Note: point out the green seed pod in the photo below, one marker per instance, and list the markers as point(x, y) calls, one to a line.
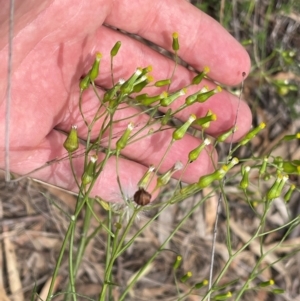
point(84, 83)
point(227, 134)
point(195, 153)
point(165, 102)
point(252, 133)
point(224, 296)
point(245, 179)
point(166, 118)
point(199, 77)
point(95, 68)
point(291, 137)
point(272, 193)
point(177, 262)
point(114, 51)
point(201, 284)
point(267, 283)
point(289, 193)
point(180, 132)
point(206, 180)
point(204, 122)
point(164, 179)
point(163, 82)
point(191, 99)
point(111, 93)
point(144, 181)
point(185, 277)
point(121, 143)
point(72, 143)
point(88, 175)
point(263, 167)
point(203, 97)
point(175, 42)
point(291, 167)
point(127, 87)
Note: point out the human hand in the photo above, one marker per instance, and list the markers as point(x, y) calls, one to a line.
point(54, 46)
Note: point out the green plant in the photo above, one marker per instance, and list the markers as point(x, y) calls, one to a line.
point(249, 174)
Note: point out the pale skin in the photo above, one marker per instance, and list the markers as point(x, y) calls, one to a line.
point(54, 46)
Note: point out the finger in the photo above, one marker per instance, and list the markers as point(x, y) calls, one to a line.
point(203, 41)
point(60, 174)
point(148, 149)
point(133, 54)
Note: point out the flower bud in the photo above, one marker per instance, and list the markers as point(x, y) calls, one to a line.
point(204, 122)
point(195, 153)
point(245, 179)
point(114, 51)
point(95, 68)
point(121, 143)
point(161, 83)
point(201, 284)
point(267, 283)
point(144, 181)
point(72, 143)
point(291, 167)
point(164, 179)
point(111, 93)
point(198, 78)
point(291, 137)
point(202, 97)
point(263, 167)
point(180, 132)
point(177, 262)
point(166, 118)
point(252, 133)
point(84, 83)
point(146, 100)
point(185, 277)
point(168, 100)
point(224, 296)
point(289, 193)
point(88, 175)
point(273, 192)
point(175, 42)
point(227, 134)
point(127, 86)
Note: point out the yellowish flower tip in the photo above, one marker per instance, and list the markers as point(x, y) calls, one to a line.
point(98, 56)
point(150, 78)
point(213, 117)
point(262, 125)
point(224, 168)
point(149, 68)
point(205, 282)
point(206, 69)
point(218, 89)
point(175, 35)
point(298, 135)
point(164, 94)
point(267, 283)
